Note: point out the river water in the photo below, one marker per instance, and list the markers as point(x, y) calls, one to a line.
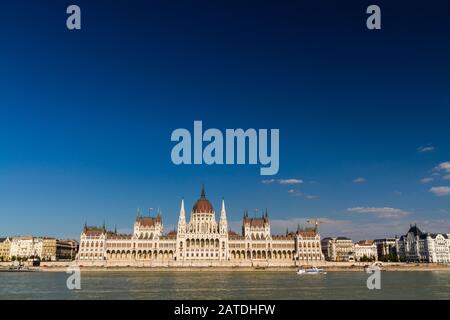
point(225, 285)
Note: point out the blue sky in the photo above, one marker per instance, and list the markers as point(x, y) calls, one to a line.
point(86, 116)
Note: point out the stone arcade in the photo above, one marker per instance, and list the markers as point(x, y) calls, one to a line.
point(200, 242)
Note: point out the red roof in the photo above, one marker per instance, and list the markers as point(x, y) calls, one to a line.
point(171, 235)
point(203, 205)
point(280, 237)
point(365, 243)
point(148, 221)
point(234, 236)
point(256, 222)
point(93, 231)
point(307, 234)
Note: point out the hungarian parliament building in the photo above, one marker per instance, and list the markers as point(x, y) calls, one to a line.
point(200, 242)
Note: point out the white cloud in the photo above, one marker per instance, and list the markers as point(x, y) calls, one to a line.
point(283, 181)
point(289, 181)
point(358, 230)
point(295, 192)
point(422, 149)
point(359, 180)
point(280, 225)
point(384, 212)
point(355, 230)
point(298, 193)
point(446, 177)
point(426, 180)
point(444, 166)
point(440, 191)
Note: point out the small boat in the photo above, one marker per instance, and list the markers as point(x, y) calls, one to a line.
point(312, 270)
point(17, 269)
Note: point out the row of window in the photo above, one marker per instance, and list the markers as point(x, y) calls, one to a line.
point(91, 244)
point(201, 255)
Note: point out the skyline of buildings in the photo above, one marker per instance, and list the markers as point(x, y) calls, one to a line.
point(203, 238)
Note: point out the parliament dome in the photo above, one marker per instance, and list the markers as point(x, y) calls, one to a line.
point(203, 205)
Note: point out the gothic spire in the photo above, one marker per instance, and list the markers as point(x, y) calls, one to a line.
point(138, 213)
point(203, 195)
point(182, 212)
point(223, 213)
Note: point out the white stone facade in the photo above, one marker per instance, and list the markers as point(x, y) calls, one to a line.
point(201, 241)
point(424, 247)
point(340, 249)
point(26, 247)
point(365, 249)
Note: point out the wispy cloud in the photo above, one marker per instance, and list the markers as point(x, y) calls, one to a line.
point(426, 180)
point(298, 193)
point(446, 177)
point(444, 166)
point(294, 192)
point(280, 225)
point(423, 149)
point(440, 191)
point(359, 180)
point(283, 181)
point(356, 230)
point(383, 212)
point(290, 181)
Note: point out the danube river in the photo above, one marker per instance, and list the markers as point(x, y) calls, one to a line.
point(224, 285)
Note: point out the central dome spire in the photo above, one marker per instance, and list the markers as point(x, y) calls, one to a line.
point(202, 195)
point(203, 205)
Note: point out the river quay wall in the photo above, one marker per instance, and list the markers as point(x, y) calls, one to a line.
point(61, 266)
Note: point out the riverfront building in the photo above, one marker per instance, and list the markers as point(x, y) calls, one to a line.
point(365, 249)
point(338, 249)
point(199, 241)
point(5, 249)
point(418, 246)
point(46, 249)
point(386, 249)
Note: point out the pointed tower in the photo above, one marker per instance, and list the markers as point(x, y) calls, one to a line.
point(203, 195)
point(182, 218)
point(223, 224)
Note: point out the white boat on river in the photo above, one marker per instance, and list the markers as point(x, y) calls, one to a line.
point(312, 270)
